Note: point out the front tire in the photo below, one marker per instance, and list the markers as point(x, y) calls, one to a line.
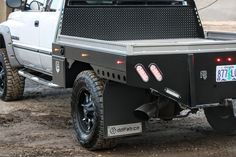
point(221, 119)
point(11, 83)
point(87, 111)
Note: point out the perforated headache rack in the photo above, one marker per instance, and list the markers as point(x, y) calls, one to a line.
point(131, 19)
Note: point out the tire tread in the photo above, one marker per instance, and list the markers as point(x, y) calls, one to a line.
point(98, 142)
point(14, 85)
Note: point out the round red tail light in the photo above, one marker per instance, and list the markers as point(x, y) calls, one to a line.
point(229, 59)
point(218, 60)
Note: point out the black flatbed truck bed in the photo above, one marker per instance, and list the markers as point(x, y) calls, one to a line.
point(148, 61)
point(168, 53)
point(128, 61)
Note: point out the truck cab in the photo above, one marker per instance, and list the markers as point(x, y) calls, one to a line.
point(33, 29)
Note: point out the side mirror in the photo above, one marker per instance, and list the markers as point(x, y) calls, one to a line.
point(34, 5)
point(14, 3)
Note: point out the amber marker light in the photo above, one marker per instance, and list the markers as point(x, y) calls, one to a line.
point(84, 55)
point(56, 50)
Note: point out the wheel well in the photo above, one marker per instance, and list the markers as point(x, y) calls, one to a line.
point(2, 41)
point(76, 68)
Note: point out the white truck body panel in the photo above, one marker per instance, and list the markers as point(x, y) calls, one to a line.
point(33, 44)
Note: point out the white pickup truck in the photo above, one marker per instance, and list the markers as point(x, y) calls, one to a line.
point(128, 61)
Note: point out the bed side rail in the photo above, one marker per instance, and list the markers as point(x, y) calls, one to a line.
point(221, 35)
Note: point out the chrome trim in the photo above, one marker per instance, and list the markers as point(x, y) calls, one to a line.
point(31, 49)
point(37, 79)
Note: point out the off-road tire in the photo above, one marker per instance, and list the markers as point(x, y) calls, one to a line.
point(14, 83)
point(94, 140)
point(221, 119)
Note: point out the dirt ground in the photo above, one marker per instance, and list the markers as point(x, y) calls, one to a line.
point(40, 125)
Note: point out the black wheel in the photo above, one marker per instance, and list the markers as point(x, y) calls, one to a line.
point(87, 111)
point(11, 83)
point(221, 119)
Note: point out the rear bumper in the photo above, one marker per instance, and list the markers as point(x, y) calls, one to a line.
point(192, 76)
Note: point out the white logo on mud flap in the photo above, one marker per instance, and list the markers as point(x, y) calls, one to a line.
point(57, 66)
point(126, 129)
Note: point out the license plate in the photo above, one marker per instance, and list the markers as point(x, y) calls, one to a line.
point(225, 73)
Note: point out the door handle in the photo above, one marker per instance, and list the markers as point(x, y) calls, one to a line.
point(36, 23)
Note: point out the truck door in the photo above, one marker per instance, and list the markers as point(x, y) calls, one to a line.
point(48, 30)
point(25, 33)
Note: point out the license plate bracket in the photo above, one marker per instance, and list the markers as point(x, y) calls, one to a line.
point(225, 73)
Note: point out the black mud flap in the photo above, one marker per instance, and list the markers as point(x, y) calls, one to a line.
point(120, 101)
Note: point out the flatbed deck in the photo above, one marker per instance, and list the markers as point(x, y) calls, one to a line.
point(214, 42)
